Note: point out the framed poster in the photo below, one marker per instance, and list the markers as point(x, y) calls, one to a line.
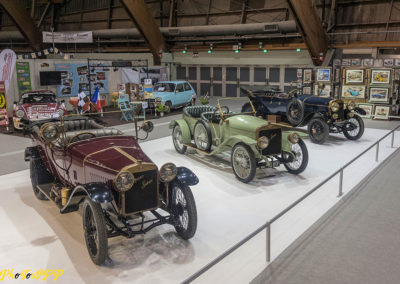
point(307, 75)
point(337, 62)
point(368, 62)
point(324, 75)
point(368, 109)
point(316, 90)
point(356, 62)
point(354, 92)
point(307, 90)
point(346, 62)
point(378, 62)
point(380, 77)
point(381, 112)
point(325, 91)
point(354, 76)
point(388, 62)
point(397, 62)
point(377, 94)
point(23, 77)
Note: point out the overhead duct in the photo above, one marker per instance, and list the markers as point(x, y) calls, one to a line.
point(189, 31)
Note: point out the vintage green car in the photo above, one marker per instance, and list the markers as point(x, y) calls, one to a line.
point(252, 141)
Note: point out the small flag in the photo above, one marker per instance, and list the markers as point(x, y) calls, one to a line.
point(51, 50)
point(96, 99)
point(46, 52)
point(66, 57)
point(39, 53)
point(55, 50)
point(33, 55)
point(20, 57)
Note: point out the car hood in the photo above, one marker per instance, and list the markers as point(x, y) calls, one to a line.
point(40, 111)
point(111, 154)
point(246, 122)
point(308, 99)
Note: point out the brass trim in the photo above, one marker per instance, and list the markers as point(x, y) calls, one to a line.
point(101, 166)
point(125, 153)
point(42, 128)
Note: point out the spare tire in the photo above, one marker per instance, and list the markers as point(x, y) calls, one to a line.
point(295, 112)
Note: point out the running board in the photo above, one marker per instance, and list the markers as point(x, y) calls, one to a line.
point(191, 145)
point(46, 189)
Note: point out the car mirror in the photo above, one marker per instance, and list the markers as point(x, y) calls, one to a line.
point(49, 132)
point(147, 126)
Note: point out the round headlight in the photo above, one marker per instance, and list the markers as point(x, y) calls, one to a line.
point(20, 113)
point(293, 138)
point(335, 116)
point(124, 181)
point(351, 106)
point(49, 132)
point(335, 107)
point(263, 142)
point(168, 172)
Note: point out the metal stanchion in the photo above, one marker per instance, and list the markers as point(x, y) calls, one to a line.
point(340, 182)
point(268, 242)
point(377, 152)
point(392, 139)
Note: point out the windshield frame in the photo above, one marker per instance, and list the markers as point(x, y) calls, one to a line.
point(160, 84)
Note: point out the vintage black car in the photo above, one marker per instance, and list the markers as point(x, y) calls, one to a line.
point(322, 115)
point(76, 160)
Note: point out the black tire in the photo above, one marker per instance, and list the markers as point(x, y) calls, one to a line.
point(39, 175)
point(348, 133)
point(95, 231)
point(293, 167)
point(318, 130)
point(183, 208)
point(295, 112)
point(169, 105)
point(251, 162)
point(175, 135)
point(202, 127)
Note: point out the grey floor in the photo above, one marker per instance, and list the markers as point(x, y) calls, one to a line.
point(357, 241)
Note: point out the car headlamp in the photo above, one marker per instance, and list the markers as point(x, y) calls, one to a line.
point(293, 138)
point(20, 113)
point(335, 107)
point(168, 172)
point(124, 181)
point(263, 142)
point(49, 132)
point(351, 106)
point(335, 116)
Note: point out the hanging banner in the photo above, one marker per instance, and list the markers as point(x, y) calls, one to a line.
point(7, 63)
point(23, 77)
point(67, 37)
point(3, 105)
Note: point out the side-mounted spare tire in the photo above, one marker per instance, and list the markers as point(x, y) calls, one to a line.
point(295, 112)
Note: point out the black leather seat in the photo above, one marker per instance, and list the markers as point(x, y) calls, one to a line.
point(81, 124)
point(196, 111)
point(211, 116)
point(96, 132)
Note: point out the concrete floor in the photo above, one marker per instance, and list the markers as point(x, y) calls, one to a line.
point(357, 241)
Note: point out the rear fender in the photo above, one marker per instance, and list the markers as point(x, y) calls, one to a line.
point(186, 136)
point(97, 191)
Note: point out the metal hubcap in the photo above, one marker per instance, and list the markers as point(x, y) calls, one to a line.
point(178, 138)
point(353, 127)
point(181, 206)
point(298, 160)
point(241, 162)
point(201, 137)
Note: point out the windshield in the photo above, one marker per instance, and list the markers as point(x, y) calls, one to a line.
point(38, 98)
point(164, 87)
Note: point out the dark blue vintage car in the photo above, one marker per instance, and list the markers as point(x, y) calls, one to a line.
point(322, 115)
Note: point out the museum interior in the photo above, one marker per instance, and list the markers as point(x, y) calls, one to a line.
point(204, 141)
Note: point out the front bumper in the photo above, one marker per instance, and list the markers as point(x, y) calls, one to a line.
point(17, 123)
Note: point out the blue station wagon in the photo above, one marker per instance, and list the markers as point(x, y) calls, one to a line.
point(175, 94)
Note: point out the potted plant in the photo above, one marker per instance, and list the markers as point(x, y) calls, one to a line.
point(204, 99)
point(162, 108)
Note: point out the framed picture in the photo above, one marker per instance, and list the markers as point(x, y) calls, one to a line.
point(368, 109)
point(380, 77)
point(397, 74)
point(307, 90)
point(356, 62)
point(324, 75)
point(377, 94)
point(397, 62)
point(378, 63)
point(299, 72)
point(388, 62)
point(354, 92)
point(307, 75)
point(316, 90)
point(346, 62)
point(325, 91)
point(368, 62)
point(354, 76)
point(381, 112)
point(337, 62)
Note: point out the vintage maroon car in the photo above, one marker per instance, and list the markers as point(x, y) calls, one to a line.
point(37, 105)
point(75, 160)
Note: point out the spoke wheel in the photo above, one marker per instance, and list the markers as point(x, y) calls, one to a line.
point(300, 161)
point(94, 226)
point(295, 112)
point(177, 139)
point(318, 130)
point(202, 136)
point(183, 210)
point(353, 129)
point(243, 162)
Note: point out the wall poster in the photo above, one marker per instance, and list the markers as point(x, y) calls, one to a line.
point(23, 77)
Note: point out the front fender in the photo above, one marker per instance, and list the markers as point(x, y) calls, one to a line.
point(286, 144)
point(186, 136)
point(360, 111)
point(186, 176)
point(97, 191)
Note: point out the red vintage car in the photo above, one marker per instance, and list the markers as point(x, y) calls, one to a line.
point(37, 105)
point(75, 160)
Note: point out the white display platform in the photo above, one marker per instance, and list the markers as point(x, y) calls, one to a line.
point(35, 236)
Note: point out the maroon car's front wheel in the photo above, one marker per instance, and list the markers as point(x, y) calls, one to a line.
point(94, 226)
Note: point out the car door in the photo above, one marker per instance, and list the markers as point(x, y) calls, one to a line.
point(189, 92)
point(179, 95)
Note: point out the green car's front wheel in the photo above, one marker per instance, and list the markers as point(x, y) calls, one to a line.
point(177, 139)
point(299, 163)
point(243, 162)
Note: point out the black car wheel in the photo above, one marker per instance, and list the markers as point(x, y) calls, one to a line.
point(94, 226)
point(39, 175)
point(243, 162)
point(177, 139)
point(184, 210)
point(318, 130)
point(353, 129)
point(300, 162)
point(295, 112)
point(202, 135)
point(169, 105)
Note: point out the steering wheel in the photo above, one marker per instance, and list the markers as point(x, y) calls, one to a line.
point(76, 136)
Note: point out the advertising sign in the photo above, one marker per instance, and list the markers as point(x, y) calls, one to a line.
point(23, 77)
point(67, 37)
